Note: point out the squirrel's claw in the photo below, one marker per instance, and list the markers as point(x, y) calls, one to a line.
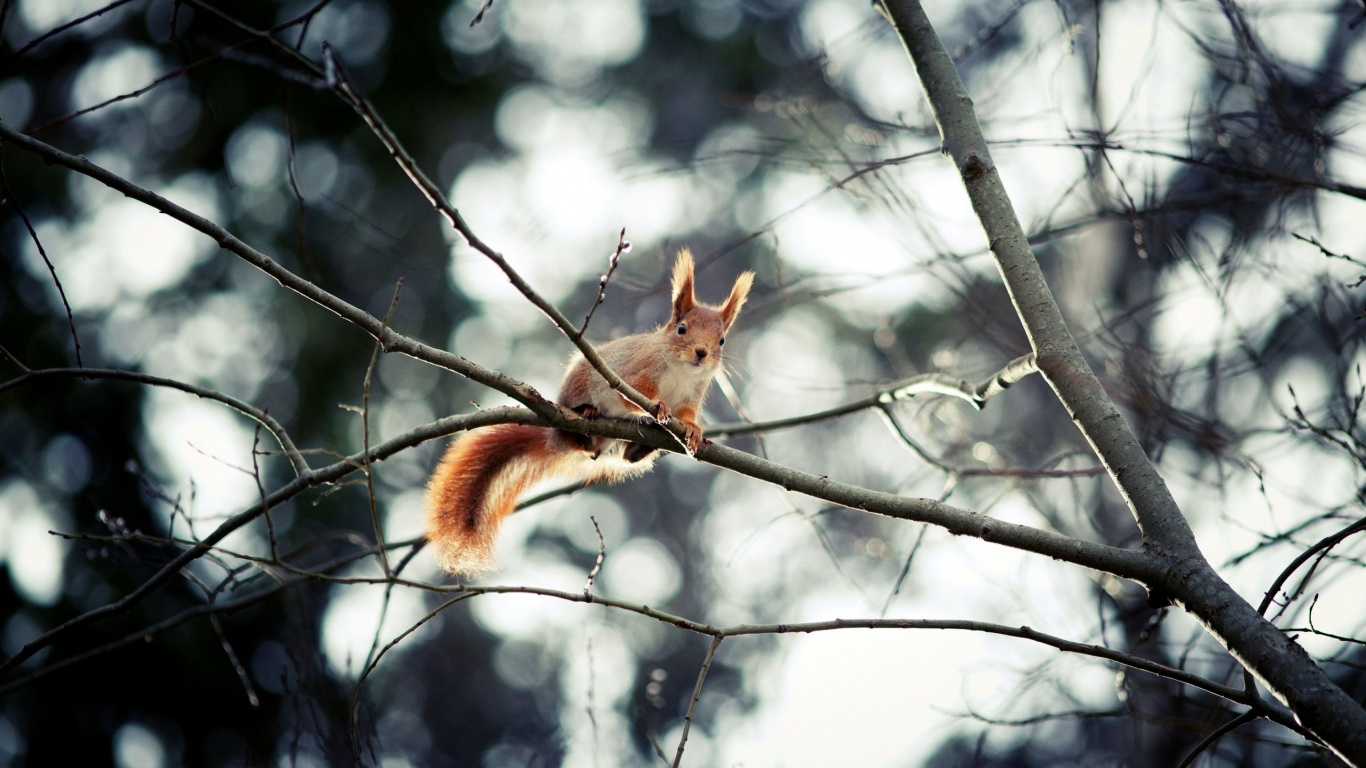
point(693, 435)
point(663, 415)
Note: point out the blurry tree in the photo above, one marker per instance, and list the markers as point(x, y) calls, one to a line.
point(232, 466)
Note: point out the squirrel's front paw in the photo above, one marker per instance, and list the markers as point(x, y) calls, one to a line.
point(693, 434)
point(663, 415)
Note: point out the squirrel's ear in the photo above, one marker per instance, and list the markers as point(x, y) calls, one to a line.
point(682, 285)
point(737, 297)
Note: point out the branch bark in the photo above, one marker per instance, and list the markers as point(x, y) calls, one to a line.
point(296, 459)
point(1184, 574)
point(288, 491)
point(1127, 564)
point(392, 340)
point(1138, 566)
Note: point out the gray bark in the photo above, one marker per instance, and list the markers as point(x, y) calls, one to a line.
point(1182, 572)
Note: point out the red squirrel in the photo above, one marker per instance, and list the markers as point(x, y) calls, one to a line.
point(479, 479)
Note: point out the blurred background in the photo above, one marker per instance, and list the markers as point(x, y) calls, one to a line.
point(1192, 176)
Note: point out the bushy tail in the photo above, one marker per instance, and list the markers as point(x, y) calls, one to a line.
point(477, 484)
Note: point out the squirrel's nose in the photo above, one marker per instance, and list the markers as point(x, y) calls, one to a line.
point(701, 353)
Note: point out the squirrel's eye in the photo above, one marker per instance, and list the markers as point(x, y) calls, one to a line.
point(723, 341)
point(682, 328)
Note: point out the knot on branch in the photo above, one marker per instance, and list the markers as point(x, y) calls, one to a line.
point(974, 166)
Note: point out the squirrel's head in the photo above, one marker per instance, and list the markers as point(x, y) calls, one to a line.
point(696, 332)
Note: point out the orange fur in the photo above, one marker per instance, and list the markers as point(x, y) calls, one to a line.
point(478, 481)
point(477, 484)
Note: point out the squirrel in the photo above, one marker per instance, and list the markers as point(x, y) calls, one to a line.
point(484, 471)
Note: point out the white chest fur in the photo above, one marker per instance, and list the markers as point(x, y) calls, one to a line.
point(680, 385)
point(683, 384)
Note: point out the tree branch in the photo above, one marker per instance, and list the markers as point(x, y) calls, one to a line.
point(696, 694)
point(246, 409)
point(392, 340)
point(336, 75)
point(33, 235)
point(1215, 735)
point(1120, 562)
point(307, 480)
point(1282, 665)
point(1236, 695)
point(928, 383)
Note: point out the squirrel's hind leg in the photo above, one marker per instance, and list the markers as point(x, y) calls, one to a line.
point(637, 452)
point(587, 443)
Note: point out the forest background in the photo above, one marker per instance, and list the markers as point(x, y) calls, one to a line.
point(1191, 177)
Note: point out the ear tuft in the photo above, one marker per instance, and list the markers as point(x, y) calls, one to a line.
point(683, 299)
point(737, 297)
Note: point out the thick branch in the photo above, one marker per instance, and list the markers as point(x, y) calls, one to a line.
point(1056, 352)
point(1120, 562)
point(1281, 664)
point(1126, 563)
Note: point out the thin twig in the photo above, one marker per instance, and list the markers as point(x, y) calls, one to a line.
point(553, 493)
point(1315, 630)
point(905, 569)
point(365, 421)
point(1324, 545)
point(1262, 707)
point(612, 261)
point(293, 175)
point(39, 40)
point(1047, 717)
point(659, 751)
point(30, 376)
point(478, 17)
point(929, 383)
point(261, 490)
point(379, 624)
point(1314, 241)
point(237, 666)
point(592, 694)
point(24, 369)
point(133, 94)
point(597, 565)
point(696, 694)
point(355, 691)
point(33, 234)
point(336, 76)
point(1214, 736)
